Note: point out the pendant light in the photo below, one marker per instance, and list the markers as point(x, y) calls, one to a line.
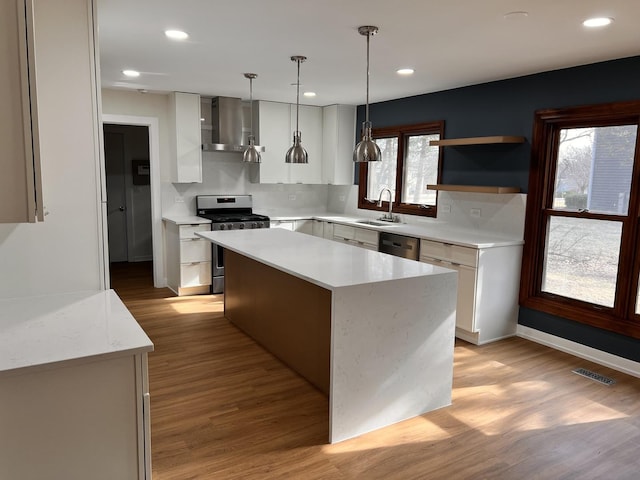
point(367, 150)
point(297, 153)
point(251, 154)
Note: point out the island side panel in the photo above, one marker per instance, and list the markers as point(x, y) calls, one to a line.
point(392, 352)
point(288, 316)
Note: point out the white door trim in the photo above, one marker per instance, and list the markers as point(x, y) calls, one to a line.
point(156, 203)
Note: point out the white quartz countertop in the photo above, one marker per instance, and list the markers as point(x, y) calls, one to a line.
point(185, 220)
point(428, 230)
point(323, 262)
point(39, 332)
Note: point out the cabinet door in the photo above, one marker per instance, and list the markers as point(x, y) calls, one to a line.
point(304, 226)
point(311, 130)
point(338, 142)
point(274, 134)
point(327, 230)
point(20, 184)
point(186, 139)
point(466, 298)
point(318, 228)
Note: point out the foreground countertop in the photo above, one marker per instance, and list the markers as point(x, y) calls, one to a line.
point(322, 262)
point(39, 332)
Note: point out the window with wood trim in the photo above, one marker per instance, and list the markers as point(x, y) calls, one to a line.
point(581, 256)
point(408, 164)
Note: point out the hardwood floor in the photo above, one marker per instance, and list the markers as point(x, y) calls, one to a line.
point(223, 408)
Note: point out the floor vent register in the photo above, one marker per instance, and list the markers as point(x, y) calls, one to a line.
point(594, 376)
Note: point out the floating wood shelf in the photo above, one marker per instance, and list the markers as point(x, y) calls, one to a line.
point(473, 188)
point(452, 142)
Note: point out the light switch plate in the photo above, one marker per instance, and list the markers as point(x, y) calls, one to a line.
point(445, 208)
point(475, 212)
point(179, 199)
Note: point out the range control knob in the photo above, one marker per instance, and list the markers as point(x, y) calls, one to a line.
point(241, 226)
point(222, 226)
point(254, 225)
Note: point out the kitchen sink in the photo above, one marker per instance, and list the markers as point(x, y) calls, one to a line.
point(377, 223)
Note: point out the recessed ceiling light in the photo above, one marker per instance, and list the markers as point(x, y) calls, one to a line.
point(405, 71)
point(597, 22)
point(131, 73)
point(309, 94)
point(176, 34)
point(516, 15)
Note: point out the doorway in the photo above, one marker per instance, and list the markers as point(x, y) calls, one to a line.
point(128, 182)
point(151, 123)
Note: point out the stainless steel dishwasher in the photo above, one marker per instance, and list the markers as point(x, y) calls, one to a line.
point(399, 245)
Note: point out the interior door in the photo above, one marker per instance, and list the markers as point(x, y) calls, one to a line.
point(116, 195)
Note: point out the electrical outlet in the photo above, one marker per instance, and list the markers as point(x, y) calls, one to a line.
point(292, 196)
point(445, 208)
point(341, 198)
point(179, 200)
point(475, 212)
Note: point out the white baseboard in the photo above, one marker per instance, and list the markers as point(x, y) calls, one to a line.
point(588, 353)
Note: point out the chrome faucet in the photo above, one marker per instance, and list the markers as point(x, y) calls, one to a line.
point(388, 217)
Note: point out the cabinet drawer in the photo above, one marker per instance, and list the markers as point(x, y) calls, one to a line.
point(451, 253)
point(195, 274)
point(366, 236)
point(343, 231)
point(195, 251)
point(189, 231)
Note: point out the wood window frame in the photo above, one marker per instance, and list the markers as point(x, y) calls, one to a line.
point(400, 132)
point(621, 318)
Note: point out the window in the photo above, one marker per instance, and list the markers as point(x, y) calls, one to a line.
point(408, 165)
point(581, 255)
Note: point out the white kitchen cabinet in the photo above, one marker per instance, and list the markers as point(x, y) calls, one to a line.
point(360, 237)
point(317, 228)
point(338, 142)
point(488, 282)
point(304, 226)
point(188, 259)
point(20, 182)
point(74, 386)
point(185, 136)
point(327, 230)
point(285, 224)
point(275, 125)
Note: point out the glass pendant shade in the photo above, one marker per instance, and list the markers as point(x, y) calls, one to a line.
point(367, 150)
point(251, 154)
point(297, 153)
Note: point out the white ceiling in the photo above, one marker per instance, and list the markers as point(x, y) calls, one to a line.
point(449, 43)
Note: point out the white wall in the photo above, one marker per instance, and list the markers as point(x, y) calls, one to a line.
point(62, 254)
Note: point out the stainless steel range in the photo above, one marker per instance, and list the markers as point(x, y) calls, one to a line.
point(227, 212)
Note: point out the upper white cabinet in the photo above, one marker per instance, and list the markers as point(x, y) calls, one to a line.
point(338, 142)
point(330, 129)
point(20, 182)
point(186, 142)
point(311, 139)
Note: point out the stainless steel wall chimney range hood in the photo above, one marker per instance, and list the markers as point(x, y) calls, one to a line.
point(226, 126)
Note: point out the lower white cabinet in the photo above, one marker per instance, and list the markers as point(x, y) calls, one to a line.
point(302, 225)
point(488, 284)
point(360, 237)
point(188, 259)
point(86, 419)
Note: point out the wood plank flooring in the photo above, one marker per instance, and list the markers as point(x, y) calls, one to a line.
point(223, 408)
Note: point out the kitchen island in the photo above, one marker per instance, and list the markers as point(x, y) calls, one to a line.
point(373, 331)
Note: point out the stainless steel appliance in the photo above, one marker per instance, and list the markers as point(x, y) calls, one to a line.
point(227, 212)
point(399, 245)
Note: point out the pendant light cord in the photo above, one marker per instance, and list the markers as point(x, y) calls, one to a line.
point(298, 99)
point(367, 106)
point(251, 104)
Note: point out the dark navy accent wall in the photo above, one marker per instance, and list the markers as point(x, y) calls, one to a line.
point(507, 107)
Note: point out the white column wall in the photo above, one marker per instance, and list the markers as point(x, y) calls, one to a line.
point(62, 254)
